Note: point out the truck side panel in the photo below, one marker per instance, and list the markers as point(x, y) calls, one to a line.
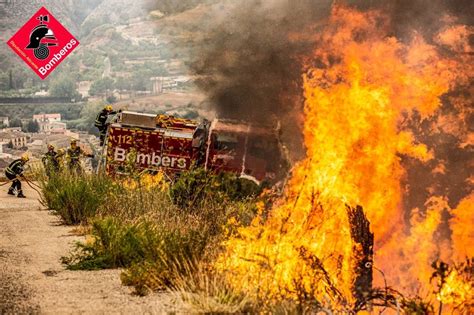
point(146, 149)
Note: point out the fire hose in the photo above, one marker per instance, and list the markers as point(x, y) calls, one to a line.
point(33, 185)
point(7, 182)
point(30, 183)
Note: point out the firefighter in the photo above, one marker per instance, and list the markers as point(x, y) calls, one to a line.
point(74, 154)
point(13, 171)
point(51, 161)
point(101, 122)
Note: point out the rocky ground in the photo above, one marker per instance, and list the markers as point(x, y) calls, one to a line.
point(33, 280)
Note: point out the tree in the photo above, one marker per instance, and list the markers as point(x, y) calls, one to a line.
point(10, 80)
point(63, 86)
point(122, 84)
point(32, 126)
point(101, 86)
point(111, 99)
point(140, 81)
point(4, 81)
point(88, 114)
point(15, 122)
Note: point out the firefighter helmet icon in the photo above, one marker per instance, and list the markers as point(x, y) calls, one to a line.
point(41, 37)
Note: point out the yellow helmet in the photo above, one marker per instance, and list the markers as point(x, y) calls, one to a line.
point(25, 157)
point(50, 147)
point(108, 108)
point(73, 141)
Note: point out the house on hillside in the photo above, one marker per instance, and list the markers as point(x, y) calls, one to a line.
point(50, 123)
point(83, 88)
point(162, 84)
point(36, 147)
point(4, 121)
point(58, 140)
point(47, 117)
point(12, 129)
point(17, 139)
point(53, 127)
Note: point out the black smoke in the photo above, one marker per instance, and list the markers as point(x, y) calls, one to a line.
point(251, 64)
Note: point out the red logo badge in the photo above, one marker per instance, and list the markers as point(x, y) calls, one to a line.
point(43, 43)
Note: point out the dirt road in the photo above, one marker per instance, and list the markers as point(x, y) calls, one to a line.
point(33, 281)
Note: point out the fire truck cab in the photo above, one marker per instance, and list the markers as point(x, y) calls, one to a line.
point(245, 149)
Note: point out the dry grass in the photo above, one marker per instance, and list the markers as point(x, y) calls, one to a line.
point(202, 290)
point(164, 242)
point(149, 230)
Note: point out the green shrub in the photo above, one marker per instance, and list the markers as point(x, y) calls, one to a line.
point(151, 254)
point(171, 260)
point(155, 237)
point(75, 198)
point(129, 205)
point(114, 244)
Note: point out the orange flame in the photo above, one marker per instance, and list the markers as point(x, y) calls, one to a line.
point(361, 85)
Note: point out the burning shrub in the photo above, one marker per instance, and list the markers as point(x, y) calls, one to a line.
point(195, 188)
point(455, 284)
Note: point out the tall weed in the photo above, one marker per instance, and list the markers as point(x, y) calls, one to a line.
point(75, 198)
point(114, 244)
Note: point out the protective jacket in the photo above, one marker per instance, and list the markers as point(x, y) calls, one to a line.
point(101, 119)
point(50, 160)
point(74, 154)
point(15, 168)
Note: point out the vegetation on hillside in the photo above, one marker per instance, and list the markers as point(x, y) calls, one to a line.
point(24, 111)
point(167, 236)
point(144, 225)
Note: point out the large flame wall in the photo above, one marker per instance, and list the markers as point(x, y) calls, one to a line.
point(360, 84)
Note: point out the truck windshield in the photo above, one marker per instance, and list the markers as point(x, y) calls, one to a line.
point(226, 142)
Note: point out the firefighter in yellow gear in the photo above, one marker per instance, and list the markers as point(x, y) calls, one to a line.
point(13, 172)
point(51, 161)
point(74, 153)
point(101, 122)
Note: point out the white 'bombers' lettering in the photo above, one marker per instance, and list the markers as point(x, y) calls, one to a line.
point(120, 155)
point(47, 67)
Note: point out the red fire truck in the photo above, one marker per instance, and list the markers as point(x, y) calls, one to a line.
point(161, 142)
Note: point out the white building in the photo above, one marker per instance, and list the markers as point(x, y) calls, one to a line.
point(53, 127)
point(17, 139)
point(50, 123)
point(12, 129)
point(161, 84)
point(47, 117)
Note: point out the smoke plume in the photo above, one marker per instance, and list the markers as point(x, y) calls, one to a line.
point(252, 63)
